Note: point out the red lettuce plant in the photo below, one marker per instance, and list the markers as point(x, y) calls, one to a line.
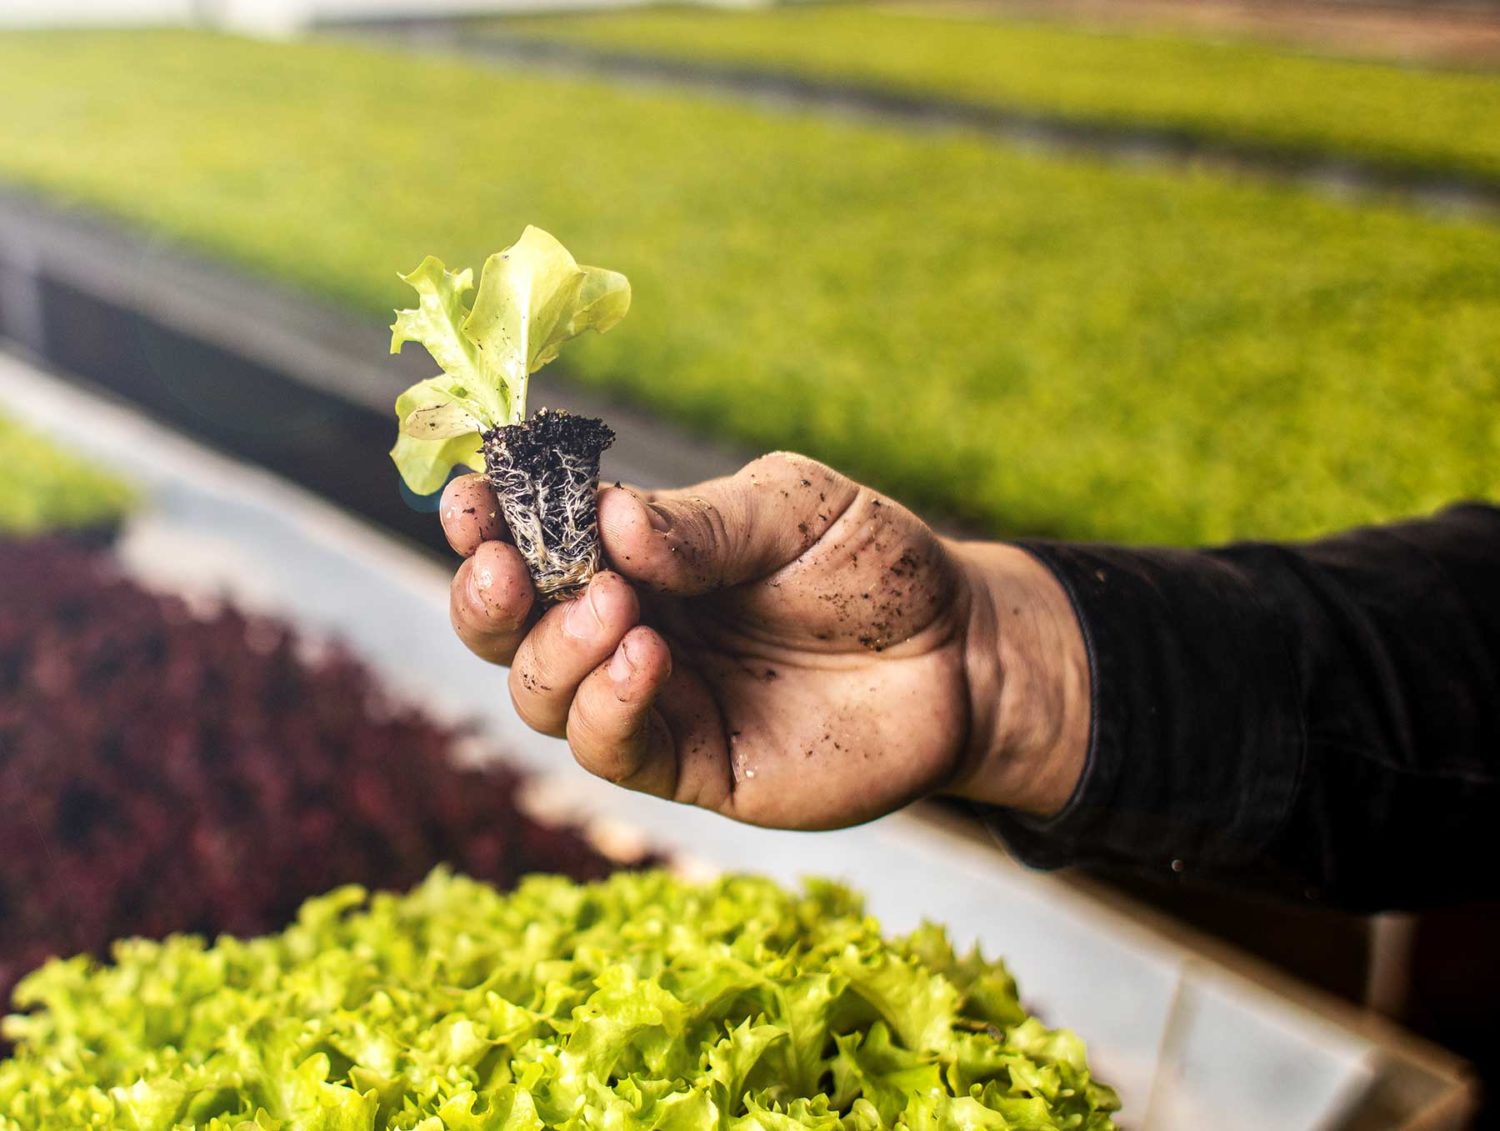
point(164, 770)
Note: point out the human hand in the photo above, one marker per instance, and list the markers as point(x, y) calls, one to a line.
point(787, 648)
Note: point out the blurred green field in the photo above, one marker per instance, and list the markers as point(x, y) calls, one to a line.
point(1222, 90)
point(44, 489)
point(1037, 344)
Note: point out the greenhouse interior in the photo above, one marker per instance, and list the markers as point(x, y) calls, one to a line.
point(988, 617)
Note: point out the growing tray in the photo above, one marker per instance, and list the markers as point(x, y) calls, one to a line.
point(1191, 1034)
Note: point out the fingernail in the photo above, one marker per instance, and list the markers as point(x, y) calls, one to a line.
point(661, 521)
point(621, 667)
point(583, 619)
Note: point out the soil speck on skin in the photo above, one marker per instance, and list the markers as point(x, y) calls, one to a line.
point(803, 529)
point(807, 483)
point(471, 510)
point(906, 565)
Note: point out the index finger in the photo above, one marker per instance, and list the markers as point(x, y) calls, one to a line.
point(470, 514)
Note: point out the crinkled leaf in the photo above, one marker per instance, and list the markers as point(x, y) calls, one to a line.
point(425, 460)
point(919, 1005)
point(533, 297)
point(731, 1061)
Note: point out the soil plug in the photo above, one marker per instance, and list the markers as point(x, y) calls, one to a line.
point(532, 297)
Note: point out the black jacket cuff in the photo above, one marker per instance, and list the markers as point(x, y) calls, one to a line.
point(1196, 740)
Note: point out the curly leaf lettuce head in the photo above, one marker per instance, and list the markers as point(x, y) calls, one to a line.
point(532, 297)
point(642, 1003)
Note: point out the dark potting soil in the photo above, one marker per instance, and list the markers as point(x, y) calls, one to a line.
point(164, 769)
point(545, 472)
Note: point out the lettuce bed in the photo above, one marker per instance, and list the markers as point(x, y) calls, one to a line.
point(165, 768)
point(42, 489)
point(1388, 114)
point(1037, 344)
point(639, 1002)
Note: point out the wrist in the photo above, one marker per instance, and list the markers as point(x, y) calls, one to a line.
point(1029, 684)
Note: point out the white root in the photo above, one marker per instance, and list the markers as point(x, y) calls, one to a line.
point(549, 506)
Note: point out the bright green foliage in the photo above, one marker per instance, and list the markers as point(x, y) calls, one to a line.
point(1389, 114)
point(1039, 344)
point(533, 297)
point(637, 1003)
point(43, 489)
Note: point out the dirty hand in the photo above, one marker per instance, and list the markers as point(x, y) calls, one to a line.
point(787, 648)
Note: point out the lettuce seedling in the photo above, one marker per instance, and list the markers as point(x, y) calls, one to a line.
point(532, 297)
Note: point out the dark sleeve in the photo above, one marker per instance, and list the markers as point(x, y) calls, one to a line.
point(1317, 720)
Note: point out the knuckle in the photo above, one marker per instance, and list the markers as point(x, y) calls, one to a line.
point(784, 465)
point(718, 532)
point(614, 761)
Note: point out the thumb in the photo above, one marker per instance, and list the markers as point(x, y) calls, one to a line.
point(726, 531)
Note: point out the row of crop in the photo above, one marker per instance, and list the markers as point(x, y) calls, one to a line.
point(1236, 93)
point(44, 490)
point(641, 1002)
point(1038, 344)
point(168, 768)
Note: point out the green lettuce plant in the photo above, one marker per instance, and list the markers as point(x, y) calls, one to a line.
point(532, 297)
point(641, 1003)
point(44, 490)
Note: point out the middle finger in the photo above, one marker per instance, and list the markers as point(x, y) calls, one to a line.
point(570, 641)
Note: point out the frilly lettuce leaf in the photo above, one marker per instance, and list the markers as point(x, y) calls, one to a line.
point(642, 1003)
point(532, 297)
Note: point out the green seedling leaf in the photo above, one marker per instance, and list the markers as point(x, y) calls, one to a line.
point(532, 297)
point(425, 458)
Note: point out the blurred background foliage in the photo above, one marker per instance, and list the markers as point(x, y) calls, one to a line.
point(44, 490)
point(1032, 341)
point(1228, 89)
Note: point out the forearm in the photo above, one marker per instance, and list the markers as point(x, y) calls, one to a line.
point(1319, 720)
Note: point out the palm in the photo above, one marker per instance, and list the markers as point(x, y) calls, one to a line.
point(829, 689)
